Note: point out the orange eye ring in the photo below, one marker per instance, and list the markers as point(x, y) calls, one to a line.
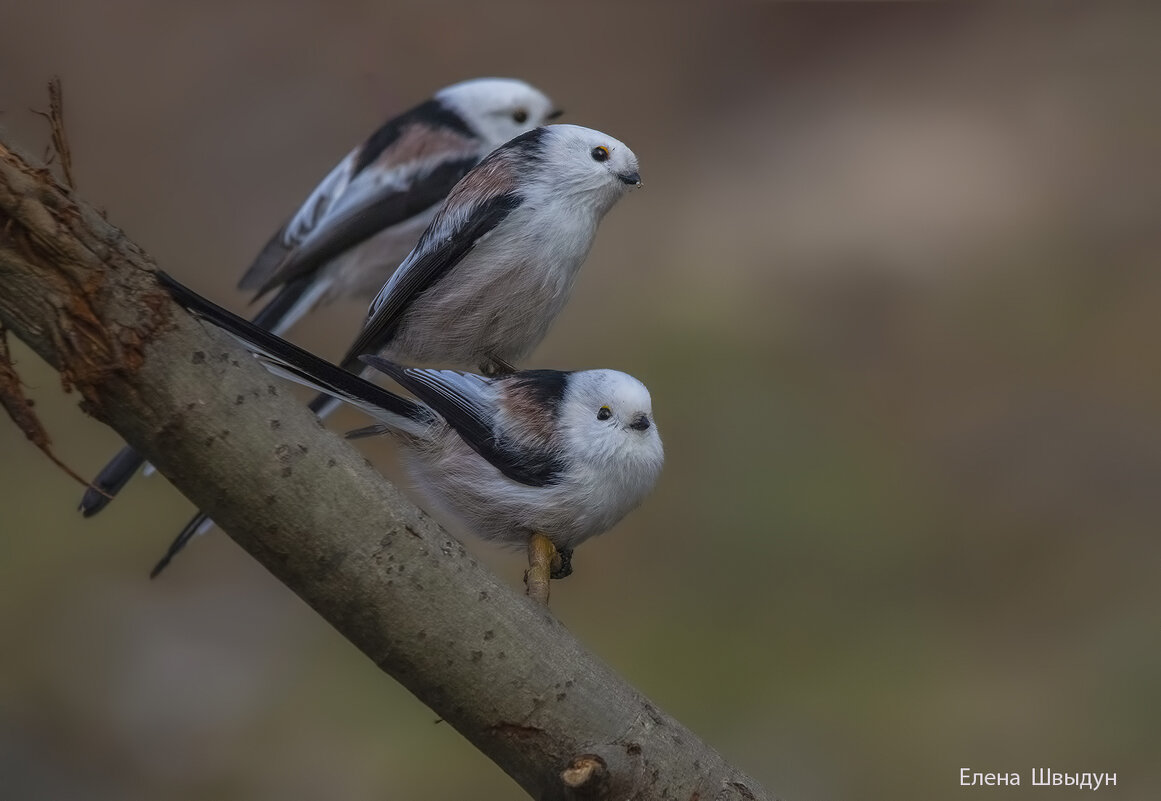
point(600, 153)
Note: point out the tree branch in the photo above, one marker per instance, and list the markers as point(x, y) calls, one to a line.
point(492, 663)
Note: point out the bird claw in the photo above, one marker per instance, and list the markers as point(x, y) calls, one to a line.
point(544, 563)
point(561, 564)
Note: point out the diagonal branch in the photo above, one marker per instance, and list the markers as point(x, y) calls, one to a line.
point(492, 663)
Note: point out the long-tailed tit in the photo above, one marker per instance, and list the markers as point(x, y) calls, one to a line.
point(562, 454)
point(499, 260)
point(368, 213)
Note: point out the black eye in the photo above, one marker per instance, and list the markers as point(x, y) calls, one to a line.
point(600, 153)
point(520, 115)
point(605, 413)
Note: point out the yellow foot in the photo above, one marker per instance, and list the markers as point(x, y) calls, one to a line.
point(543, 563)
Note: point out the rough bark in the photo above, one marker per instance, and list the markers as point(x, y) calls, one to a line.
point(489, 661)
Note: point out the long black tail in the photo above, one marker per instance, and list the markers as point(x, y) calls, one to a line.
point(122, 467)
point(297, 364)
point(324, 403)
point(281, 357)
point(110, 480)
point(282, 305)
point(294, 363)
point(191, 530)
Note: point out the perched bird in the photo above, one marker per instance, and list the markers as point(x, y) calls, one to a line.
point(565, 455)
point(498, 262)
point(367, 214)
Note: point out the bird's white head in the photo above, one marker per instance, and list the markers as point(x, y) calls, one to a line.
point(498, 109)
point(583, 163)
point(606, 418)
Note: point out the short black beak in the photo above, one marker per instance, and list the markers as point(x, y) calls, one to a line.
point(640, 423)
point(552, 115)
point(631, 178)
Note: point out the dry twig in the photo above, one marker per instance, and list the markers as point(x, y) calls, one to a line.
point(19, 408)
point(55, 117)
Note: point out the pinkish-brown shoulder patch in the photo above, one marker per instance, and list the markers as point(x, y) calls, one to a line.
point(520, 403)
point(418, 142)
point(493, 176)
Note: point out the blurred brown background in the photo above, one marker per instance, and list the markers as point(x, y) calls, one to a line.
point(892, 280)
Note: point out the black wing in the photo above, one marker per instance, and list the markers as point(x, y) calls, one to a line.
point(309, 239)
point(438, 251)
point(463, 401)
point(376, 213)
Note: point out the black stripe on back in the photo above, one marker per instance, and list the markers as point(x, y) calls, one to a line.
point(536, 466)
point(529, 145)
point(545, 386)
point(430, 113)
